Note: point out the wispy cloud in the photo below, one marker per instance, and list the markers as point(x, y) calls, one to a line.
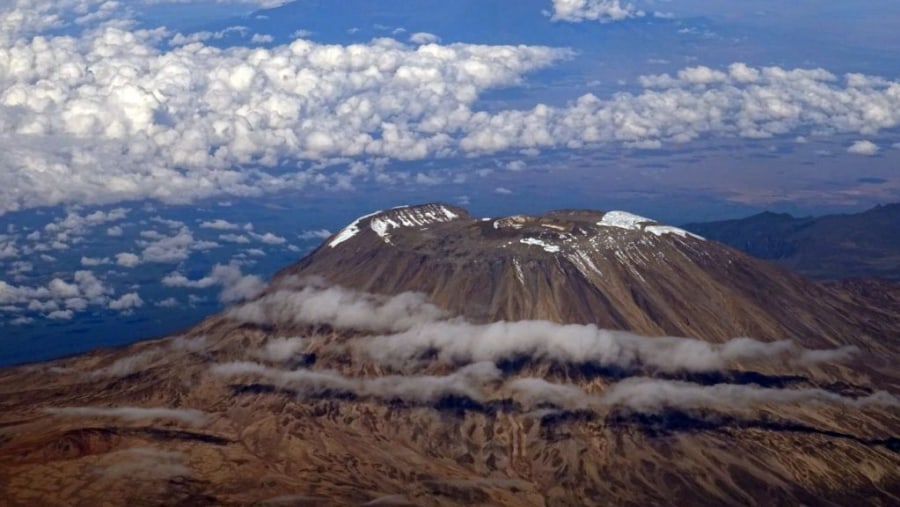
point(184, 415)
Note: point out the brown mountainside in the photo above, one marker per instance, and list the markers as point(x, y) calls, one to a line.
point(578, 358)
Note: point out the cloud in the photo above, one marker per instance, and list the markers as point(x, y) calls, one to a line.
point(183, 415)
point(652, 395)
point(127, 259)
point(338, 307)
point(134, 363)
point(424, 38)
point(604, 11)
point(130, 364)
point(169, 302)
point(76, 295)
point(126, 302)
point(194, 121)
point(175, 128)
point(61, 315)
point(315, 234)
point(144, 463)
point(234, 238)
point(174, 248)
point(648, 395)
point(459, 342)
point(235, 285)
point(466, 382)
point(94, 261)
point(269, 238)
point(219, 224)
point(282, 349)
point(863, 148)
point(698, 101)
point(419, 328)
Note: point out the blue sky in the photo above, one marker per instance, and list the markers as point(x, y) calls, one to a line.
point(145, 142)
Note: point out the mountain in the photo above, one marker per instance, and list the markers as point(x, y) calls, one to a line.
point(421, 356)
point(830, 247)
point(616, 270)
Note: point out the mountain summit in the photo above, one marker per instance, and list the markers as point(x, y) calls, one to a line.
point(421, 356)
point(613, 269)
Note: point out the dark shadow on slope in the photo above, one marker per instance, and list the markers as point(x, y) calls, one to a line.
point(736, 377)
point(449, 403)
point(669, 422)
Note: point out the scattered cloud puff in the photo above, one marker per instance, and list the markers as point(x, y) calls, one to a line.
point(282, 349)
point(315, 234)
point(171, 249)
point(219, 224)
point(867, 148)
point(604, 11)
point(127, 259)
point(126, 302)
point(424, 38)
point(59, 299)
point(235, 285)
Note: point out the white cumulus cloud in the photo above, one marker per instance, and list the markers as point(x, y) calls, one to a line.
point(593, 10)
point(863, 148)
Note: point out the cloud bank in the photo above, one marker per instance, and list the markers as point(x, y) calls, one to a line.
point(339, 307)
point(113, 114)
point(647, 395)
point(467, 382)
point(419, 328)
point(457, 342)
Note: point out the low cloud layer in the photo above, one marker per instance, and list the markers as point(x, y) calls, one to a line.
point(140, 361)
point(647, 395)
point(457, 342)
point(183, 415)
point(466, 382)
point(339, 307)
point(421, 328)
point(144, 464)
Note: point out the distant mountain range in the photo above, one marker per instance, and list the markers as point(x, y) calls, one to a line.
point(830, 247)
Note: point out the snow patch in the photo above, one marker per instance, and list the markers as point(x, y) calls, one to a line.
point(536, 242)
point(583, 262)
point(405, 216)
point(632, 222)
point(623, 220)
point(349, 231)
point(519, 274)
point(659, 230)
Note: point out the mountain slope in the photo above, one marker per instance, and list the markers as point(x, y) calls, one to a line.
point(337, 387)
point(616, 270)
point(828, 247)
